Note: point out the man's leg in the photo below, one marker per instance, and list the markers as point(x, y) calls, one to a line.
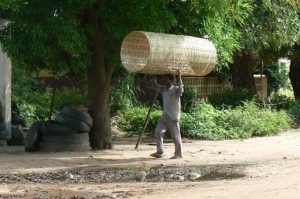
point(174, 129)
point(159, 133)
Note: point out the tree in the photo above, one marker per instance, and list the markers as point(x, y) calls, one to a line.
point(67, 35)
point(272, 25)
point(294, 55)
point(214, 21)
point(294, 73)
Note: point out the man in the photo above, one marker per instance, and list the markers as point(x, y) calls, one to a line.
point(171, 115)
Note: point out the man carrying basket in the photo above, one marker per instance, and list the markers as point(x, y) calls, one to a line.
point(171, 114)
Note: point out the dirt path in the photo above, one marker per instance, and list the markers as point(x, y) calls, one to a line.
point(271, 166)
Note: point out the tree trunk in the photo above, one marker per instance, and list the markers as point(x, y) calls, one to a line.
point(242, 72)
point(99, 75)
point(294, 75)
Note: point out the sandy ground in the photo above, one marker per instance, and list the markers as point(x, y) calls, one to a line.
point(271, 165)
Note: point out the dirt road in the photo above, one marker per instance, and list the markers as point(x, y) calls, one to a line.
point(270, 165)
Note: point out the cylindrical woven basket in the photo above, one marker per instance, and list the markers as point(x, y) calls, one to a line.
point(157, 53)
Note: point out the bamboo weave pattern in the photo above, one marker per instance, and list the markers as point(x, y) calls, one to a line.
point(158, 53)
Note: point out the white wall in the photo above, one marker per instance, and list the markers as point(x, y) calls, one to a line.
point(5, 90)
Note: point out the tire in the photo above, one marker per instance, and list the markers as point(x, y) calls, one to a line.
point(17, 132)
point(18, 119)
point(78, 115)
point(55, 128)
point(16, 142)
point(33, 137)
point(73, 142)
point(72, 123)
point(4, 135)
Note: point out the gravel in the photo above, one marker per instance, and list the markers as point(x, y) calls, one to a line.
point(109, 175)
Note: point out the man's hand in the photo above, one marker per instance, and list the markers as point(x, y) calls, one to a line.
point(154, 80)
point(179, 72)
point(179, 76)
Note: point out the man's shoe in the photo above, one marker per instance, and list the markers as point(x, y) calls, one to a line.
point(156, 155)
point(176, 157)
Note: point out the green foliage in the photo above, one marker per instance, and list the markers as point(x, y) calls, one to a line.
point(231, 98)
point(34, 102)
point(215, 21)
point(277, 77)
point(35, 105)
point(294, 110)
point(62, 35)
point(222, 28)
point(200, 123)
point(250, 120)
point(122, 95)
point(188, 99)
point(272, 24)
point(239, 123)
point(70, 97)
point(133, 119)
point(207, 122)
point(59, 35)
point(278, 102)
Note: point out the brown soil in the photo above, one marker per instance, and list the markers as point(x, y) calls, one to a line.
point(266, 167)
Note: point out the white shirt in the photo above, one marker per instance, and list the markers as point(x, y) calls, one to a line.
point(171, 100)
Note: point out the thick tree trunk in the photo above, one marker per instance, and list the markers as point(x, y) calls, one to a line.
point(294, 75)
point(99, 75)
point(242, 72)
point(98, 95)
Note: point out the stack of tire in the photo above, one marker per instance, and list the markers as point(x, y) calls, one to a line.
point(68, 132)
point(18, 127)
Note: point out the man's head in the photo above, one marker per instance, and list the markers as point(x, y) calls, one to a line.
point(166, 80)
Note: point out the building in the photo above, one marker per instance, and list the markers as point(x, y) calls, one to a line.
point(5, 95)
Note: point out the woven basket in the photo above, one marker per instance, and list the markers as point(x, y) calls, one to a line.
point(157, 53)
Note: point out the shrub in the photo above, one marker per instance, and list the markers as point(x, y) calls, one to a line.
point(200, 123)
point(231, 98)
point(207, 122)
point(278, 102)
point(294, 110)
point(70, 97)
point(122, 95)
point(250, 120)
point(133, 119)
point(277, 77)
point(188, 99)
point(34, 102)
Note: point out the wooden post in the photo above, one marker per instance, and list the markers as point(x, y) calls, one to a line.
point(5, 93)
point(52, 103)
point(146, 121)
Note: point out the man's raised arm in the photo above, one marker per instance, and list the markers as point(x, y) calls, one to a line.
point(179, 91)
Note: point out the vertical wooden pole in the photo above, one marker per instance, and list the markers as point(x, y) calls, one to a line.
point(146, 121)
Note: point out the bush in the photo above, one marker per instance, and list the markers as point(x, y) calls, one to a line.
point(278, 102)
point(35, 105)
point(188, 99)
point(250, 120)
point(70, 97)
point(133, 119)
point(231, 98)
point(122, 95)
point(34, 102)
point(277, 77)
point(294, 110)
point(207, 122)
point(200, 123)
